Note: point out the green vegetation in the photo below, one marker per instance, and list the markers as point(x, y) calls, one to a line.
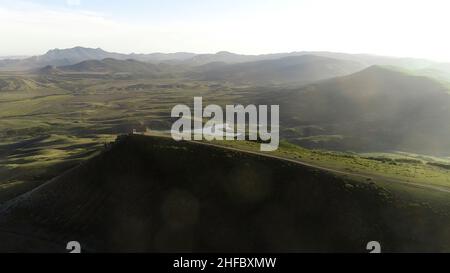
point(29, 163)
point(46, 130)
point(84, 112)
point(381, 168)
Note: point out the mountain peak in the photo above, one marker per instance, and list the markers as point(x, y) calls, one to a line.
point(77, 49)
point(224, 53)
point(383, 71)
point(68, 56)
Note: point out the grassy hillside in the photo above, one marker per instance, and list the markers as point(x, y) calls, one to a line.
point(154, 194)
point(112, 66)
point(390, 168)
point(45, 130)
point(17, 87)
point(30, 162)
point(378, 109)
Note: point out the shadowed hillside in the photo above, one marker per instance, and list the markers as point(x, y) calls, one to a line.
point(154, 194)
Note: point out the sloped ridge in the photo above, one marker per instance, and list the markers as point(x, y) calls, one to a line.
point(154, 194)
point(392, 77)
point(112, 66)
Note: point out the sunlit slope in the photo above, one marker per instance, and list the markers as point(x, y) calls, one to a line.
point(154, 194)
point(373, 110)
point(16, 87)
point(288, 70)
point(111, 66)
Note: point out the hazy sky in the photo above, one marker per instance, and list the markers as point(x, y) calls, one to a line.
point(415, 28)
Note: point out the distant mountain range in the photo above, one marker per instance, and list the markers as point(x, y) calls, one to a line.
point(281, 68)
point(65, 57)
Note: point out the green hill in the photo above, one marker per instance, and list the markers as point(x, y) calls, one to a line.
point(112, 66)
point(17, 84)
point(376, 109)
point(154, 194)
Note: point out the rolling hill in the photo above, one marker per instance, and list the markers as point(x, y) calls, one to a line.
point(111, 66)
point(288, 70)
point(365, 60)
point(154, 194)
point(376, 109)
point(18, 84)
point(440, 71)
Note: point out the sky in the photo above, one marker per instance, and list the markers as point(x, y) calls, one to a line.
point(403, 28)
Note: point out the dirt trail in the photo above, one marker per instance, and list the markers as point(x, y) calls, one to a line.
point(351, 174)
